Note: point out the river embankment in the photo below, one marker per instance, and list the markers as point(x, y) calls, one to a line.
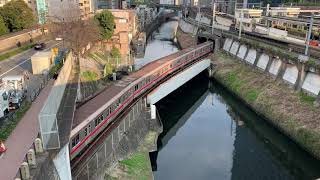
point(291, 112)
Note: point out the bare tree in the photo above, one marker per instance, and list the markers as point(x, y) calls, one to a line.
point(77, 33)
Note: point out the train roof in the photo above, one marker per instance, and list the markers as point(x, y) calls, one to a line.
point(95, 106)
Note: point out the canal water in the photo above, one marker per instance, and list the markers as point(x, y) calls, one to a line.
point(159, 44)
point(210, 134)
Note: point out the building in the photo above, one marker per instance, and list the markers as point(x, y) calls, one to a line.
point(108, 4)
point(126, 27)
point(42, 11)
point(63, 10)
point(85, 8)
point(145, 15)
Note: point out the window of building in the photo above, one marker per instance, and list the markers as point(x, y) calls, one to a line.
point(122, 21)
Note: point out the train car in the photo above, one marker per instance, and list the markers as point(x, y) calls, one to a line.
point(95, 115)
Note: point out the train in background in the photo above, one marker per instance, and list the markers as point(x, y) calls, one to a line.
point(121, 97)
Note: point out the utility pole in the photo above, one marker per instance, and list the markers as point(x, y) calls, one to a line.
point(309, 35)
point(213, 14)
point(199, 12)
point(241, 19)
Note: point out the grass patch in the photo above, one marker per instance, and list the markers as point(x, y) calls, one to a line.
point(251, 95)
point(306, 98)
point(8, 127)
point(15, 52)
point(89, 76)
point(137, 165)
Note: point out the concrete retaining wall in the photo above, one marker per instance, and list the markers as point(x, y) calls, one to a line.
point(263, 61)
point(242, 52)
point(234, 48)
point(118, 144)
point(251, 56)
point(311, 83)
point(275, 67)
point(291, 74)
point(227, 44)
point(186, 27)
point(9, 42)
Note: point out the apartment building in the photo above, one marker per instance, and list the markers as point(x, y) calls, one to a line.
point(126, 27)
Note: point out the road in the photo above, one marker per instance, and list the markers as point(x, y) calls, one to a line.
point(21, 63)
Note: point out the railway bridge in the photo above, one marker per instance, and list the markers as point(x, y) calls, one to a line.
point(105, 127)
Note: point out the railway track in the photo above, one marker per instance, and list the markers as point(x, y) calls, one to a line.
point(299, 49)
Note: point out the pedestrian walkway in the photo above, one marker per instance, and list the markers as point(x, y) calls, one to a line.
point(22, 138)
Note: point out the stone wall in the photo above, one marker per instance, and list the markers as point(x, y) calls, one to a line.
point(7, 43)
point(274, 66)
point(118, 144)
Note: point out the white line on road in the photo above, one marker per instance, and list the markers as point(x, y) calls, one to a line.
point(25, 61)
point(15, 67)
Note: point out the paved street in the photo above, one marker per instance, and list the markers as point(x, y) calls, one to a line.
point(22, 62)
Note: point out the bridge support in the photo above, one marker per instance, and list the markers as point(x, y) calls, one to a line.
point(176, 81)
point(153, 111)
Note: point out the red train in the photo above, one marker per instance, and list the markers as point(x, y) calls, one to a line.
point(94, 116)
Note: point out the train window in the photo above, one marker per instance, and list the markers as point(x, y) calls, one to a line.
point(110, 110)
point(100, 119)
point(89, 128)
point(136, 87)
point(85, 131)
point(96, 122)
point(75, 140)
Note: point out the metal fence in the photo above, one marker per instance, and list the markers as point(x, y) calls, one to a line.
point(48, 115)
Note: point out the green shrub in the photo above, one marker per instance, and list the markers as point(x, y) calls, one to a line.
point(89, 76)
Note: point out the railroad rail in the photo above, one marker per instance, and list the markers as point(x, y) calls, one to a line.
point(94, 116)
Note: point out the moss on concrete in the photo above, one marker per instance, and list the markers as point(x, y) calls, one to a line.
point(137, 166)
point(291, 112)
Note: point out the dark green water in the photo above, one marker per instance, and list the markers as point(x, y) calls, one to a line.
point(209, 134)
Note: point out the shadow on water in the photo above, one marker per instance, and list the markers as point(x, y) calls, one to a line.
point(260, 151)
point(285, 152)
point(181, 112)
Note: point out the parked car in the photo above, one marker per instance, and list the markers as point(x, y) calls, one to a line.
point(39, 46)
point(314, 43)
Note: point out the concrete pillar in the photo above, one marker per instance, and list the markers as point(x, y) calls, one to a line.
point(38, 146)
point(24, 170)
point(301, 76)
point(31, 157)
point(216, 45)
point(281, 70)
point(153, 111)
point(114, 76)
point(259, 53)
point(269, 63)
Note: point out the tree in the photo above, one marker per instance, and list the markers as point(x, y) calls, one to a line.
point(17, 15)
point(106, 23)
point(77, 34)
point(107, 70)
point(115, 52)
point(3, 28)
